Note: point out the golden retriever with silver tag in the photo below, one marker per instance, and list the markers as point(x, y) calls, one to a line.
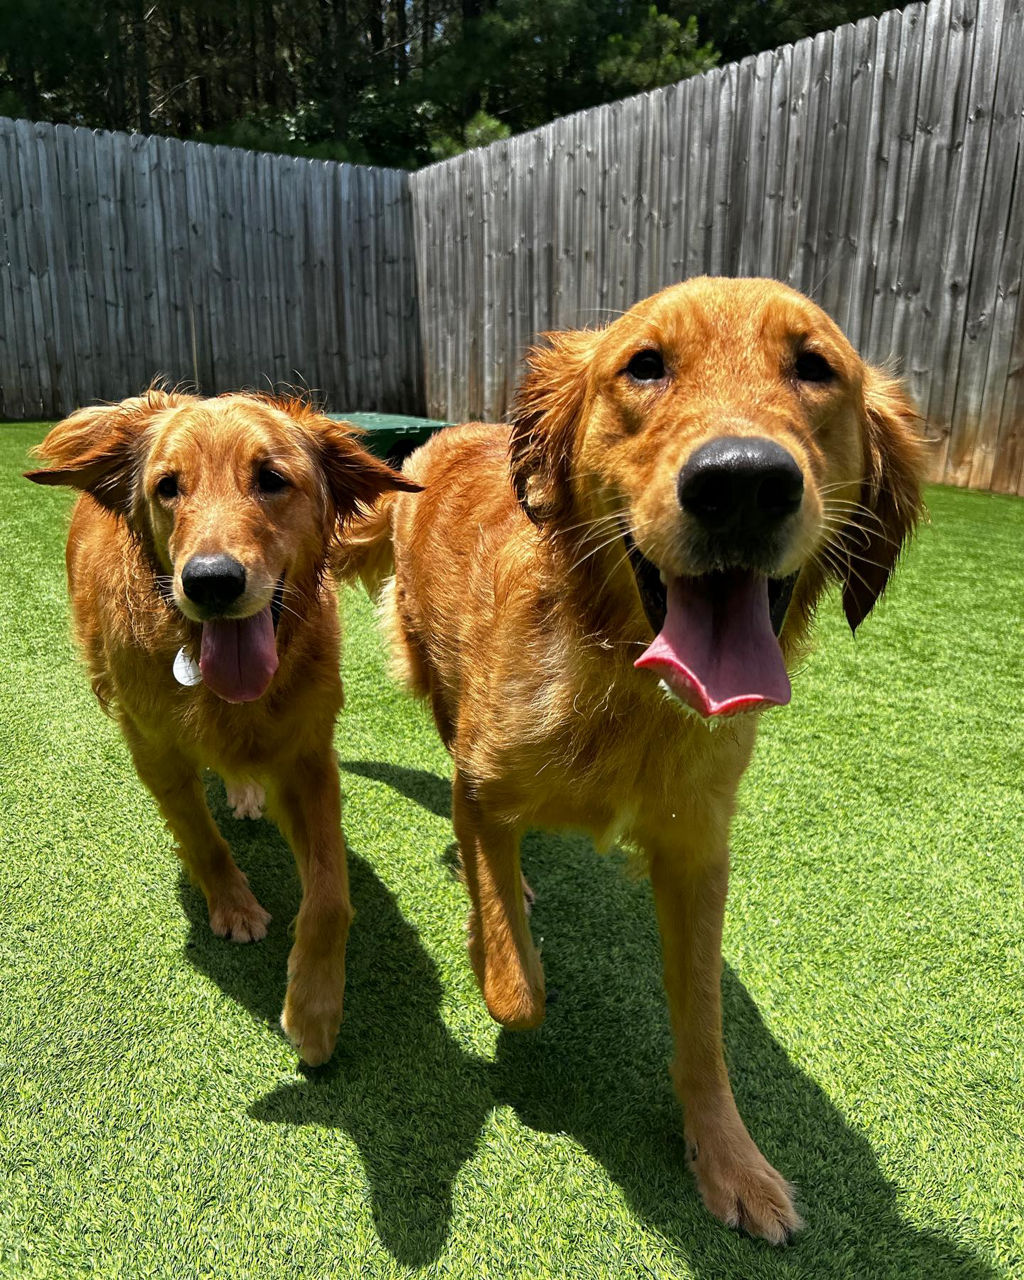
point(198, 566)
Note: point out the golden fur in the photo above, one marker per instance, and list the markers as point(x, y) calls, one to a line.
point(126, 548)
point(514, 611)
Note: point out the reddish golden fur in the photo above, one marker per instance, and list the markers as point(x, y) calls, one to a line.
point(126, 548)
point(520, 622)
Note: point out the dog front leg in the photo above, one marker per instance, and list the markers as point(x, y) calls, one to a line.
point(738, 1185)
point(305, 800)
point(505, 961)
point(177, 789)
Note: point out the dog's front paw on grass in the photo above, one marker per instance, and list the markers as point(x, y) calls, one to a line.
point(517, 1005)
point(512, 983)
point(237, 916)
point(743, 1190)
point(313, 1033)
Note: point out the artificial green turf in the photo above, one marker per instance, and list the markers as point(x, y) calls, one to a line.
point(153, 1122)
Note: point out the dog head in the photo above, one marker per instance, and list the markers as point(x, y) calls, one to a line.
point(730, 435)
point(237, 500)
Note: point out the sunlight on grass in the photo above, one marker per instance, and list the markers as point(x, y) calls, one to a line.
point(154, 1122)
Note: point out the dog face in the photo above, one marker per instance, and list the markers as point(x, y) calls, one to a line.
point(238, 501)
point(733, 437)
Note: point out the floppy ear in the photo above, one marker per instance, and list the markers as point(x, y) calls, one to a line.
point(355, 478)
point(894, 469)
point(545, 417)
point(99, 450)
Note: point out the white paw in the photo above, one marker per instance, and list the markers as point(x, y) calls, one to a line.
point(246, 799)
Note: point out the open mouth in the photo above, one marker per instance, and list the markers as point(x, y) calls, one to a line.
point(238, 656)
point(716, 642)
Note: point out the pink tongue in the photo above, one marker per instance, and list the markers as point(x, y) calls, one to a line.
point(238, 657)
point(717, 650)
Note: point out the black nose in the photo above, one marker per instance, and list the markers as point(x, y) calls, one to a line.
point(213, 582)
point(741, 483)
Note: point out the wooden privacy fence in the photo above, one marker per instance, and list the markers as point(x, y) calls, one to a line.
point(123, 257)
point(878, 168)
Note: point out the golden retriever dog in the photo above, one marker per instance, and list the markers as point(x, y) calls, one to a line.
point(599, 600)
point(197, 564)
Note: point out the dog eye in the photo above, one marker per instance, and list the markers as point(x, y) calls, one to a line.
point(811, 367)
point(271, 481)
point(646, 366)
point(167, 487)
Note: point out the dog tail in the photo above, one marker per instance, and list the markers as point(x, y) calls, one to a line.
point(366, 550)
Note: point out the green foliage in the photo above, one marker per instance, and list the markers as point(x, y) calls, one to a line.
point(383, 81)
point(483, 129)
point(393, 82)
point(659, 50)
point(278, 136)
point(742, 27)
point(480, 131)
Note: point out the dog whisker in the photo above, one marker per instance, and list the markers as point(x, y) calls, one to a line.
point(844, 568)
point(850, 527)
point(854, 513)
point(619, 561)
point(615, 537)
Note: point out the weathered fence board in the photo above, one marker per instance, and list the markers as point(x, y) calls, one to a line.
point(992, 304)
point(879, 168)
point(125, 258)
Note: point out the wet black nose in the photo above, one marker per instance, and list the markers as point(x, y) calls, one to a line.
point(213, 582)
point(741, 483)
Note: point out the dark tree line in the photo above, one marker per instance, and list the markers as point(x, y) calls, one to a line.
point(382, 81)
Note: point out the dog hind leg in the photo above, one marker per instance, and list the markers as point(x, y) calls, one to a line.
point(246, 798)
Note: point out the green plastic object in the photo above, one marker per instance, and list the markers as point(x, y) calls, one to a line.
point(393, 436)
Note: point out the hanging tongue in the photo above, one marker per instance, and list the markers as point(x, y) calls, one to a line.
point(238, 657)
point(717, 651)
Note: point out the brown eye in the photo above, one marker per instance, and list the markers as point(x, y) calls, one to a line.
point(271, 481)
point(646, 366)
point(811, 367)
point(167, 487)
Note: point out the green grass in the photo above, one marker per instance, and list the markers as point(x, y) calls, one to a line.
point(154, 1123)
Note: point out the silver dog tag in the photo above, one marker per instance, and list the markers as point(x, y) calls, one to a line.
point(185, 670)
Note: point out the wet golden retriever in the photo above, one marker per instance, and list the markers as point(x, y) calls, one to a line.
point(599, 600)
point(197, 564)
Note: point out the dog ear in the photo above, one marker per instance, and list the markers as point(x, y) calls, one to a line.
point(545, 417)
point(99, 449)
point(355, 478)
point(895, 464)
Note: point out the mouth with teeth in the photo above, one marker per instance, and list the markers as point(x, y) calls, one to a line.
point(716, 644)
point(238, 656)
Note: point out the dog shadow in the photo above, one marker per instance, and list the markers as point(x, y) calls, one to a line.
point(398, 1084)
point(415, 1103)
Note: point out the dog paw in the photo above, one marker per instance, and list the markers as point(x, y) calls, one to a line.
point(313, 1033)
point(238, 917)
point(511, 981)
point(742, 1190)
point(246, 799)
point(517, 1009)
point(514, 994)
